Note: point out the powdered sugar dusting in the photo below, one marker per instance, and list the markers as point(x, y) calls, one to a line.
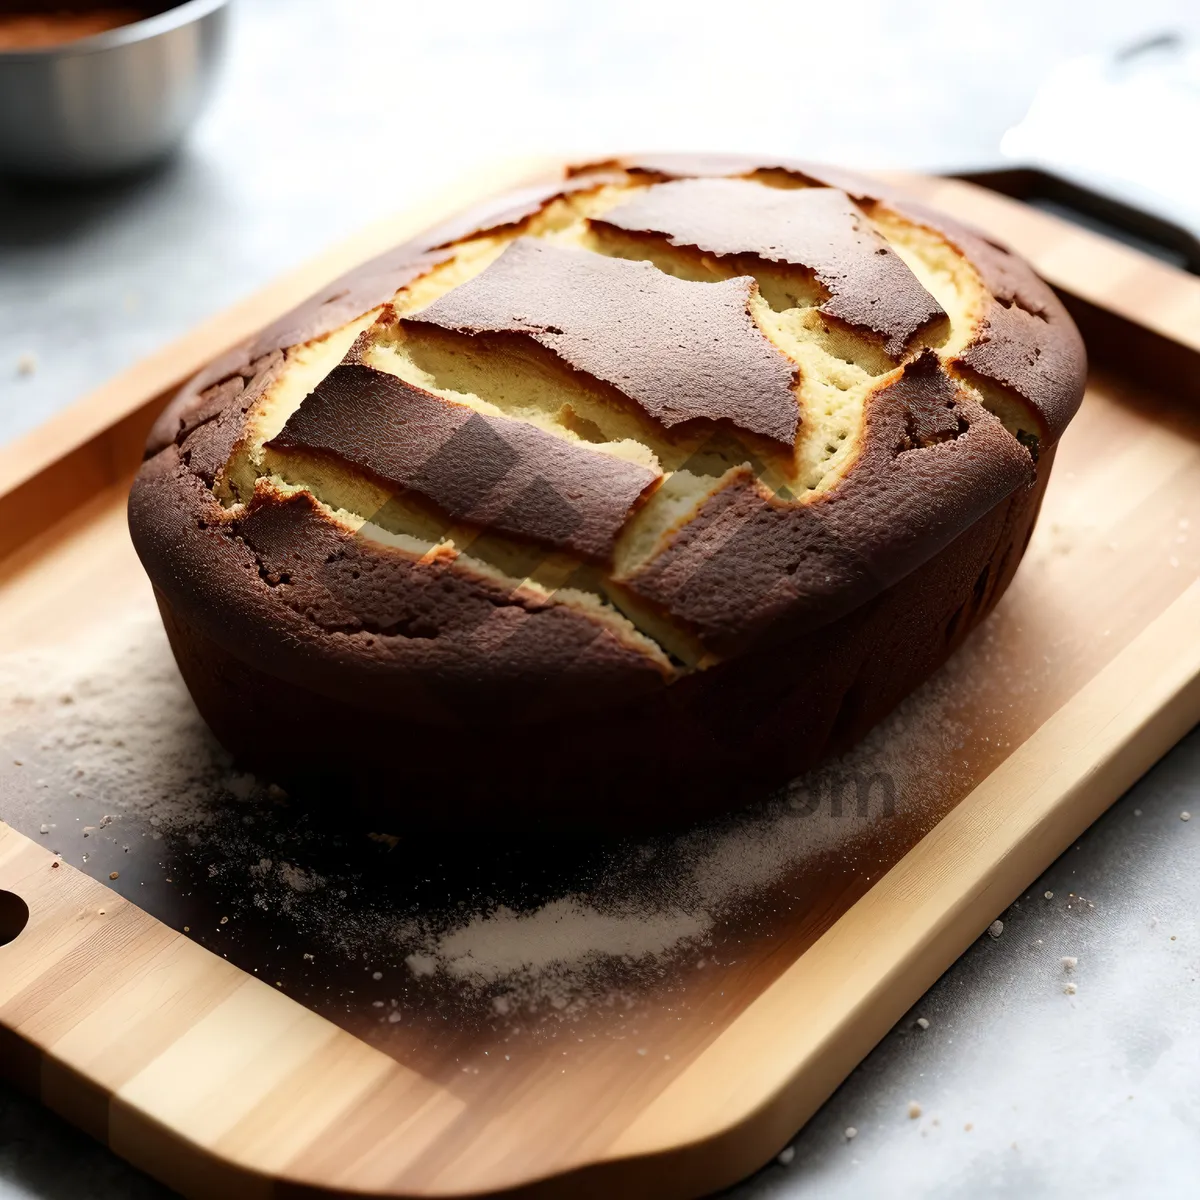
point(504, 944)
point(116, 713)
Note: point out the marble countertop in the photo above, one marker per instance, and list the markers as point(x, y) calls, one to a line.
point(334, 112)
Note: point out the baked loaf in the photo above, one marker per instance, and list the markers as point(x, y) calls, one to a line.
point(610, 503)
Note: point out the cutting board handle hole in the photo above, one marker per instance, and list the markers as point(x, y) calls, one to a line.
point(14, 916)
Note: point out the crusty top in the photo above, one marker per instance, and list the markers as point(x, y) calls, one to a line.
point(492, 472)
point(680, 349)
point(603, 433)
point(817, 228)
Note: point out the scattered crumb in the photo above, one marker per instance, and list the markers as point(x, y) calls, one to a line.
point(114, 874)
point(421, 964)
point(851, 1133)
point(1137, 812)
point(914, 1110)
point(376, 975)
point(995, 929)
point(1048, 895)
point(394, 1016)
point(968, 1127)
point(1069, 989)
point(923, 1022)
point(1070, 963)
point(1185, 816)
point(786, 1155)
point(241, 784)
point(45, 829)
point(27, 364)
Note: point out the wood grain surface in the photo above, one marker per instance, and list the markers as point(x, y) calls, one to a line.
point(228, 1062)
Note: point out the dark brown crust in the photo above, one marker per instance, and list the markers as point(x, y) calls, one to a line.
point(309, 603)
point(683, 351)
point(1028, 342)
point(492, 472)
point(820, 229)
point(310, 648)
point(708, 743)
point(209, 429)
point(933, 462)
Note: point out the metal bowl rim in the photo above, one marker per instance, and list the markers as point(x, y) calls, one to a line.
point(183, 14)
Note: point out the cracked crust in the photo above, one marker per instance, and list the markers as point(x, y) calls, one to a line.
point(867, 284)
point(934, 461)
point(492, 472)
point(679, 471)
point(681, 350)
point(1026, 340)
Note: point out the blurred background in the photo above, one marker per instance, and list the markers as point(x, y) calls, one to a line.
point(329, 113)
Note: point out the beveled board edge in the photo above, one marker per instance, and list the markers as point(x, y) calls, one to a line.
point(860, 977)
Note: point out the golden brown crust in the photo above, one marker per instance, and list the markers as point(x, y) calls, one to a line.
point(754, 580)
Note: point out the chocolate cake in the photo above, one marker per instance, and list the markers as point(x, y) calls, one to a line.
point(614, 502)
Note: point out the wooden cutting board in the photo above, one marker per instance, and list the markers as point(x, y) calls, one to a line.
point(256, 1056)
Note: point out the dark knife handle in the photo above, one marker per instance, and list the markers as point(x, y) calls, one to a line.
point(1093, 209)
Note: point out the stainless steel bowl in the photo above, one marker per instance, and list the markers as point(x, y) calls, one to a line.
point(111, 102)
